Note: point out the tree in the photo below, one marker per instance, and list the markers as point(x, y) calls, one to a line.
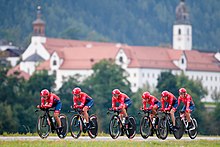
point(167, 81)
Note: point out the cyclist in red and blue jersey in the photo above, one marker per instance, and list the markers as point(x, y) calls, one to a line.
point(189, 105)
point(153, 102)
point(50, 100)
point(82, 101)
point(171, 105)
point(124, 102)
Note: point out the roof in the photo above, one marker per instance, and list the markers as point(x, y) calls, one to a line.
point(84, 54)
point(15, 71)
point(35, 58)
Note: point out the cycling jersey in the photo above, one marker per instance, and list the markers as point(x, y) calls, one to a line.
point(52, 101)
point(83, 99)
point(151, 101)
point(123, 100)
point(171, 101)
point(187, 100)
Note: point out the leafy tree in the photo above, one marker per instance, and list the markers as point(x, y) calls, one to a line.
point(167, 81)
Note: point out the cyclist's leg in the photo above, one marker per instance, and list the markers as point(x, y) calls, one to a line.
point(88, 105)
point(187, 113)
point(57, 106)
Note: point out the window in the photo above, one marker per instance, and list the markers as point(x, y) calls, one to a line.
point(188, 31)
point(179, 32)
point(121, 59)
point(54, 62)
point(182, 61)
point(134, 74)
point(142, 74)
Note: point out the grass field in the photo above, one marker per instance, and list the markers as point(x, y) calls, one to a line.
point(114, 143)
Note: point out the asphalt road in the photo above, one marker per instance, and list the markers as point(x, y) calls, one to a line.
point(101, 138)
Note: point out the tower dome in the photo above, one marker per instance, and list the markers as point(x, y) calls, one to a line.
point(182, 15)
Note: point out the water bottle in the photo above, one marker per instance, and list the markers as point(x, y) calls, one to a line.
point(84, 121)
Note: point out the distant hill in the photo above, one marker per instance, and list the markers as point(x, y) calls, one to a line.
point(135, 22)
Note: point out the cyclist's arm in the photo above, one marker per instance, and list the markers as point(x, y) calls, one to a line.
point(144, 104)
point(113, 102)
point(49, 105)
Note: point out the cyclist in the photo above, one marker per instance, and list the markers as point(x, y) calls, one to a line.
point(171, 106)
point(124, 102)
point(82, 101)
point(189, 105)
point(153, 102)
point(49, 100)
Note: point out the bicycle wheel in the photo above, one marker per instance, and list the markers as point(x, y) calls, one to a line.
point(93, 130)
point(64, 124)
point(131, 130)
point(43, 127)
point(178, 134)
point(145, 129)
point(194, 130)
point(114, 127)
point(75, 126)
point(163, 128)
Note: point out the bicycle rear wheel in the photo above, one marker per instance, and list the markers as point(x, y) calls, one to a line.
point(131, 130)
point(145, 129)
point(75, 126)
point(114, 127)
point(64, 124)
point(163, 128)
point(43, 127)
point(93, 130)
point(178, 134)
point(194, 130)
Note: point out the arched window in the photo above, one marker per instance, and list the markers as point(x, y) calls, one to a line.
point(182, 61)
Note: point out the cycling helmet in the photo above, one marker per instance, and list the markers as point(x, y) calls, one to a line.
point(164, 93)
point(44, 92)
point(146, 95)
point(116, 91)
point(182, 90)
point(76, 91)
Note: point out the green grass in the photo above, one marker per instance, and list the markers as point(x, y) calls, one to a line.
point(114, 143)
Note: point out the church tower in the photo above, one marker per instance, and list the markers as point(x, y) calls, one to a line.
point(38, 24)
point(182, 29)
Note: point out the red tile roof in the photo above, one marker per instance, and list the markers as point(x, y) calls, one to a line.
point(83, 54)
point(22, 74)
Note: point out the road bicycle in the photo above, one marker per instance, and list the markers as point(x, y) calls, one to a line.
point(165, 125)
point(147, 127)
point(183, 125)
point(46, 123)
point(118, 127)
point(78, 124)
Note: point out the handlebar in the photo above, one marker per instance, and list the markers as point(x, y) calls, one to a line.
point(45, 109)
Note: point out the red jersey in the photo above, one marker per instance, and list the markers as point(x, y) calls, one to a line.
point(186, 100)
point(151, 100)
point(48, 103)
point(169, 100)
point(120, 99)
point(81, 99)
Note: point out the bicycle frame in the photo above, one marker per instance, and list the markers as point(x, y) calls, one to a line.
point(185, 122)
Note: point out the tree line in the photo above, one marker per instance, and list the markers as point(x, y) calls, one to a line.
point(139, 22)
point(19, 97)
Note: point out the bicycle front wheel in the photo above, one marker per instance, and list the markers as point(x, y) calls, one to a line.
point(43, 127)
point(114, 127)
point(145, 127)
point(194, 130)
point(93, 129)
point(75, 126)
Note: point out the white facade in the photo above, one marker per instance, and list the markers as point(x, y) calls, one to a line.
point(182, 37)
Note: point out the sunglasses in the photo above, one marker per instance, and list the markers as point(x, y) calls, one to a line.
point(115, 95)
point(77, 95)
